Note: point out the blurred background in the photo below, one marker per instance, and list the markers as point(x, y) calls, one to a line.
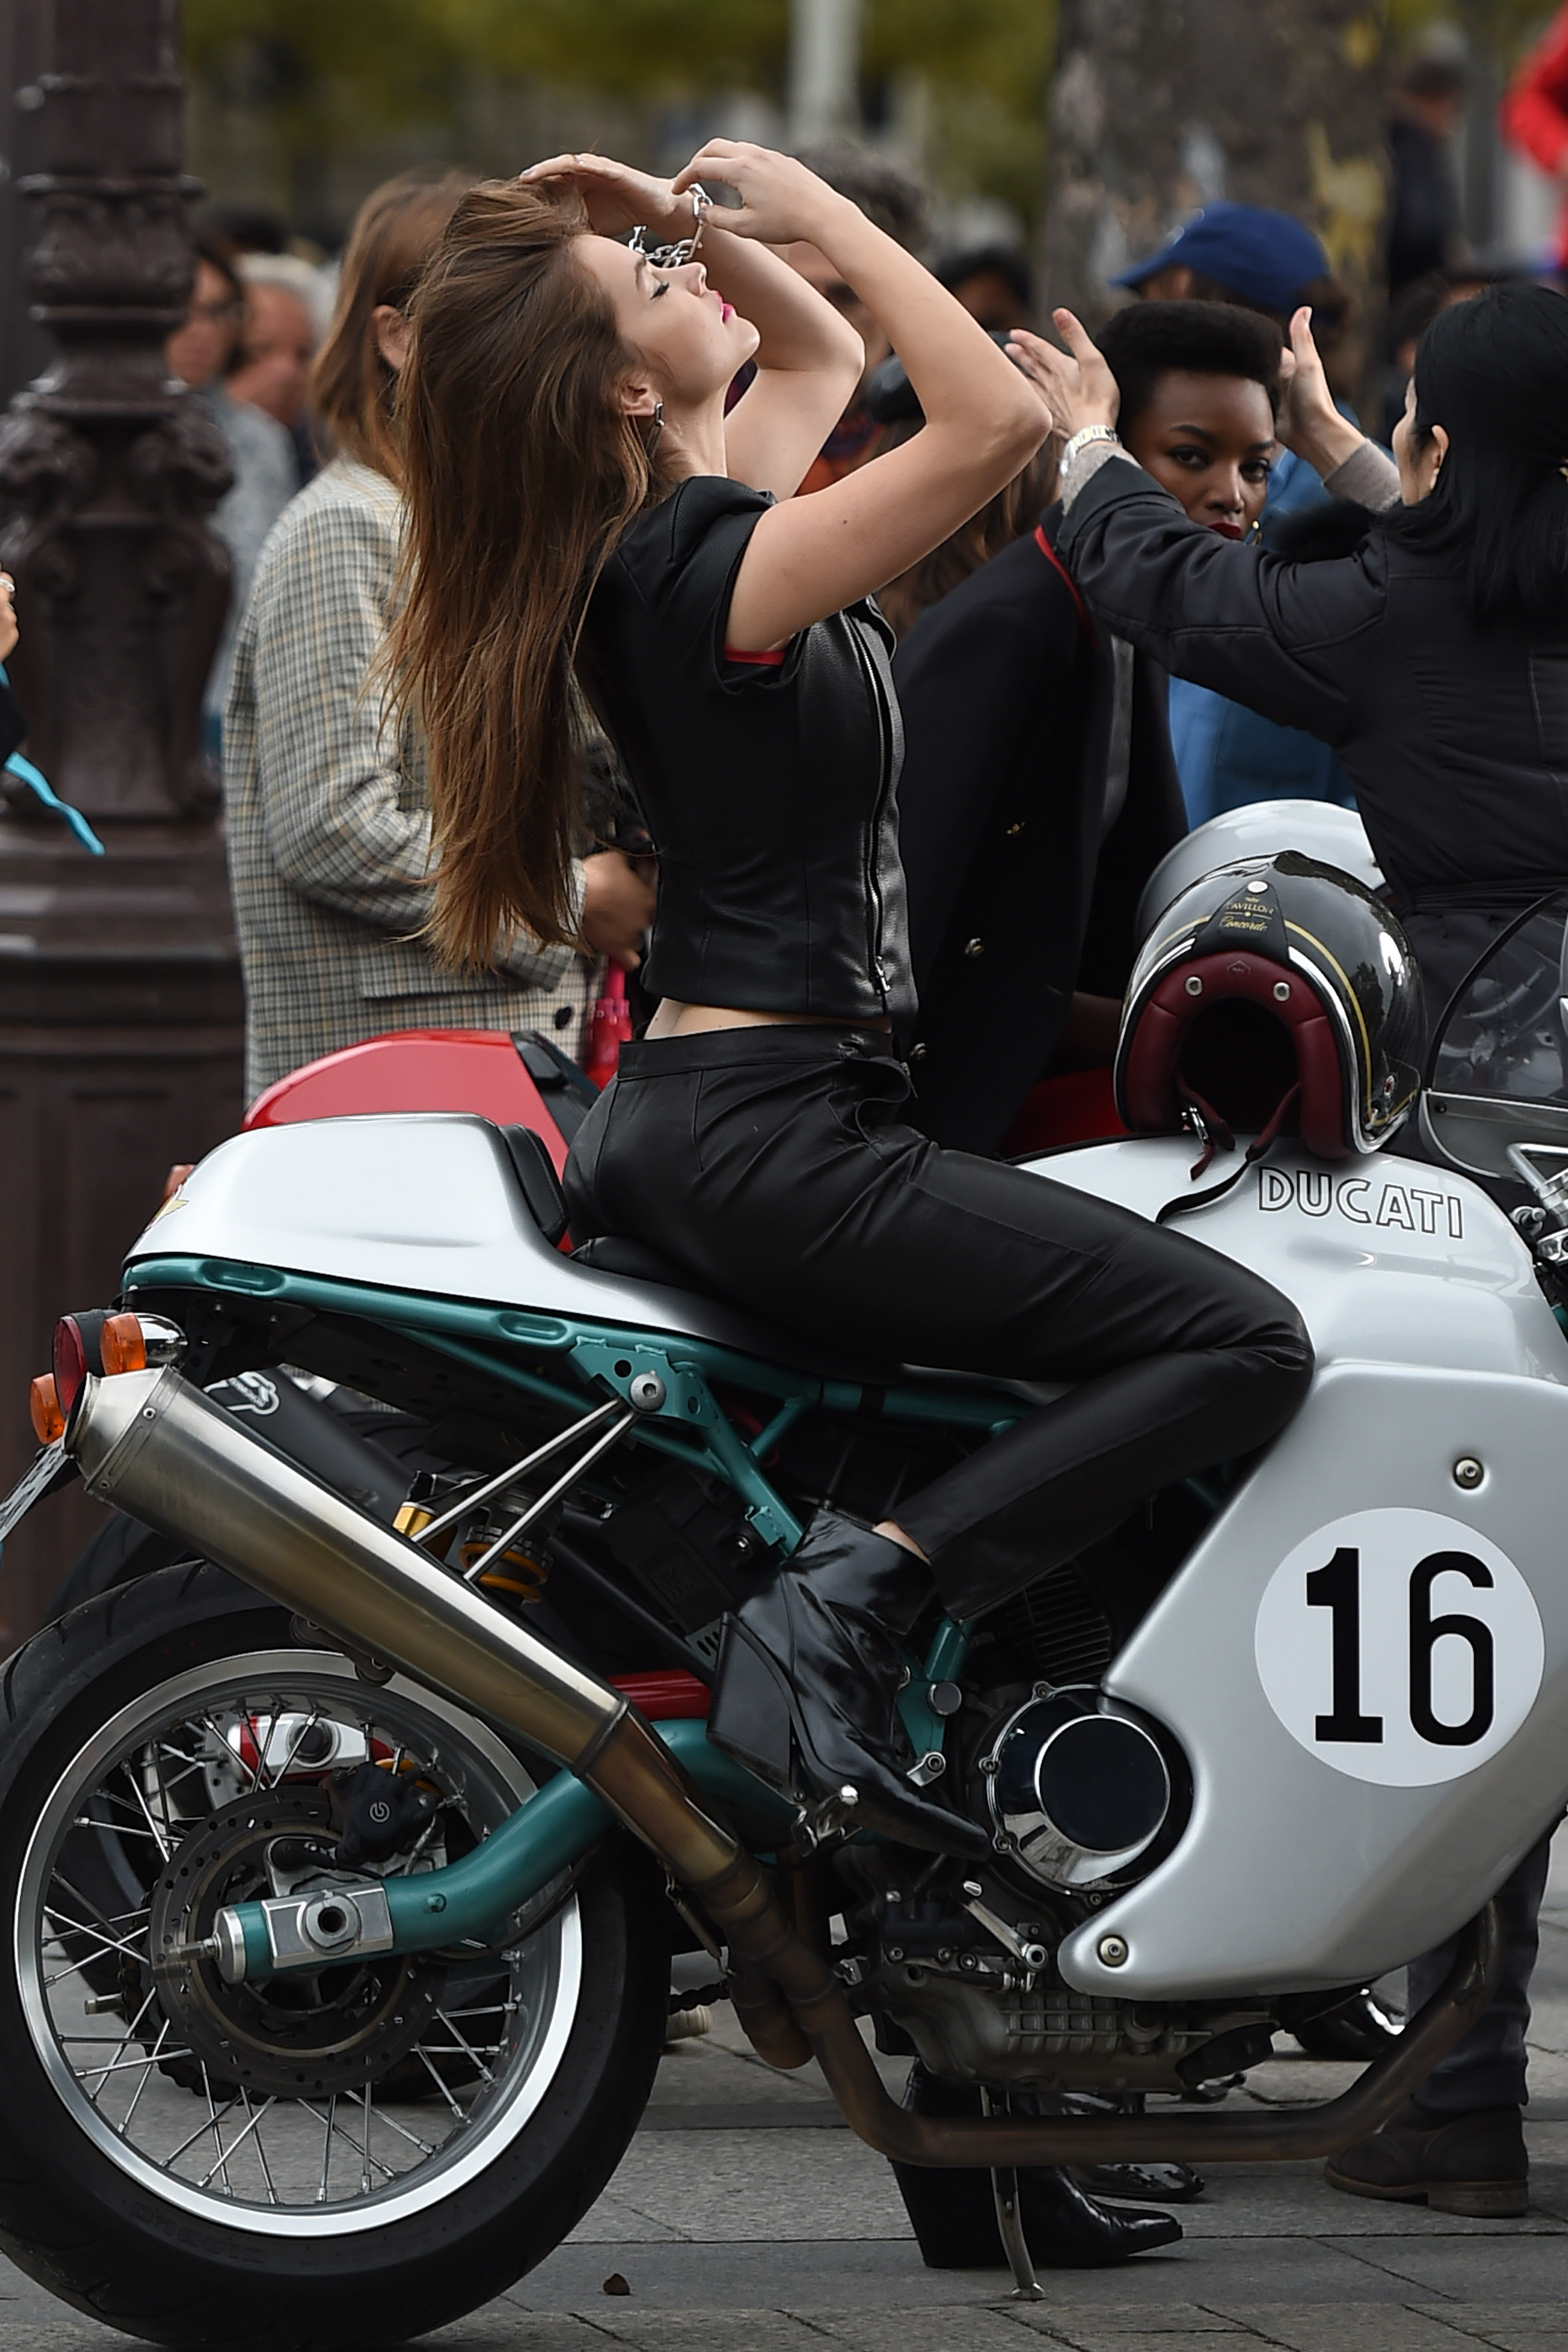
point(297, 108)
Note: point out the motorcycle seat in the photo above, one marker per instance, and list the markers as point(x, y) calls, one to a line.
point(633, 1261)
point(615, 1254)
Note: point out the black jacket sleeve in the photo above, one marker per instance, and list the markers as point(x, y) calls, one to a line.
point(1293, 641)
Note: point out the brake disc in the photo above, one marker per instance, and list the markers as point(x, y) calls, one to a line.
point(305, 2034)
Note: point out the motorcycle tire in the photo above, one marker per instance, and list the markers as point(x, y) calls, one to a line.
point(122, 1723)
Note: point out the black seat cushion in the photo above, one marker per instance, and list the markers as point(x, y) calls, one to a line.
point(613, 1253)
point(537, 1180)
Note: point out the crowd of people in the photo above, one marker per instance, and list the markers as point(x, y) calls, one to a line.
point(606, 552)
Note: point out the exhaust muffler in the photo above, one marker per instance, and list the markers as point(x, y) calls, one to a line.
point(154, 1445)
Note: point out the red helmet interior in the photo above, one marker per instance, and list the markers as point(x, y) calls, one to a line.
point(1166, 1038)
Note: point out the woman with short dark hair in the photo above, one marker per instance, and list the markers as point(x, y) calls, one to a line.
point(1039, 790)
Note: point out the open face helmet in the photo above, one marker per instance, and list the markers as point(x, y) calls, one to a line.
point(1274, 995)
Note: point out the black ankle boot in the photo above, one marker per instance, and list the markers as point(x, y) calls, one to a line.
point(953, 2214)
point(809, 1675)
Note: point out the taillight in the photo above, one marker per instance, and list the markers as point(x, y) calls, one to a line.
point(70, 1364)
point(123, 1344)
point(49, 1421)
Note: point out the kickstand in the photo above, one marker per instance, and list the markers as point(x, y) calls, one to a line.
point(1027, 2287)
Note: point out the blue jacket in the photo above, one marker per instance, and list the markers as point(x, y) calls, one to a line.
point(1227, 757)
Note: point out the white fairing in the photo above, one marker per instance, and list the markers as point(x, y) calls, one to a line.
point(1434, 1349)
point(1307, 1860)
point(1334, 835)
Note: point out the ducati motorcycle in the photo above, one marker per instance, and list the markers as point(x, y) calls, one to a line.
point(341, 1868)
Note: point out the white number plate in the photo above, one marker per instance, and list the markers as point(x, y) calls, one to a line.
point(1400, 1647)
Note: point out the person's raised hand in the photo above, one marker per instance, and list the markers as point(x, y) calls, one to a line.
point(617, 197)
point(781, 201)
point(1075, 384)
point(1310, 424)
point(8, 631)
point(618, 901)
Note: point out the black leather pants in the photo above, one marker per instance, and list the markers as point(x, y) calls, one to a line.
point(772, 1164)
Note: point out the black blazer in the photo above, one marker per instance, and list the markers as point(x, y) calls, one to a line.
point(1455, 737)
point(1022, 721)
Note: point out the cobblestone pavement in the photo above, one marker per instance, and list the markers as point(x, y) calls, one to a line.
point(745, 2218)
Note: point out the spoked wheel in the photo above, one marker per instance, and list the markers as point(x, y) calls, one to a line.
point(348, 2156)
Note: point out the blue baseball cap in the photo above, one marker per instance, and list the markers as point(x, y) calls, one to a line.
point(1265, 257)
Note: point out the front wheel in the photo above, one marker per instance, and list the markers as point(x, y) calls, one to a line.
point(343, 2159)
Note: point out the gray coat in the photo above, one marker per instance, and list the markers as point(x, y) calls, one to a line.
point(328, 812)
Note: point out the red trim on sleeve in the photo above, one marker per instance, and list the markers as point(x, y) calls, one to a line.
point(773, 660)
point(1058, 566)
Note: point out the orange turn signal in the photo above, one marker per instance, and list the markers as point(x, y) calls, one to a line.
point(121, 1346)
point(49, 1421)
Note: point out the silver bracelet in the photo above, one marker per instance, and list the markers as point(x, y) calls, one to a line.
point(1082, 438)
point(672, 257)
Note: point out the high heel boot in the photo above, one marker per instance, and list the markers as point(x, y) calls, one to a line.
point(808, 1679)
point(954, 2212)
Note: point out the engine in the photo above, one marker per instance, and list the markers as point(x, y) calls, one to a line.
point(1082, 1796)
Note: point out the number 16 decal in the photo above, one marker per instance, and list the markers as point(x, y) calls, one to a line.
point(1399, 1646)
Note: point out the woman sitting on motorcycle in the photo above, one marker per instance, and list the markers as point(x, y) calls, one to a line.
point(580, 501)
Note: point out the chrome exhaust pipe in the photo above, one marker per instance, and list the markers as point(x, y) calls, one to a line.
point(150, 1444)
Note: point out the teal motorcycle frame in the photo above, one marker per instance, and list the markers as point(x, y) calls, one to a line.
point(150, 1443)
point(670, 1406)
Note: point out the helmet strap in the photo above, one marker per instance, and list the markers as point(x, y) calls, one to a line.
point(1212, 1132)
point(1255, 1150)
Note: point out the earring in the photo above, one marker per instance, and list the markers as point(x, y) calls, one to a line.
point(655, 436)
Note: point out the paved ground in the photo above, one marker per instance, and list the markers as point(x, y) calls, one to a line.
point(745, 2219)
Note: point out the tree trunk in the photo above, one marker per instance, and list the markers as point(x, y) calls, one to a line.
point(1161, 106)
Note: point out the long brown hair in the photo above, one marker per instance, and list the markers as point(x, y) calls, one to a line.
point(395, 231)
point(519, 473)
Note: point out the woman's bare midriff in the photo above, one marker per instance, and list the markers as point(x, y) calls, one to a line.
point(674, 1020)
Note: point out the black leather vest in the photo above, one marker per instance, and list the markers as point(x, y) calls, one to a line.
point(769, 791)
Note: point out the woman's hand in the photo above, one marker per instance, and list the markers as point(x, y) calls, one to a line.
point(8, 632)
point(618, 199)
point(1076, 385)
point(1310, 424)
point(618, 901)
point(781, 201)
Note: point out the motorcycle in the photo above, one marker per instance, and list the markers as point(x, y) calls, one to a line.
point(341, 1896)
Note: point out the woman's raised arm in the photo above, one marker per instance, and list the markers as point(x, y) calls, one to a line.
point(813, 556)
